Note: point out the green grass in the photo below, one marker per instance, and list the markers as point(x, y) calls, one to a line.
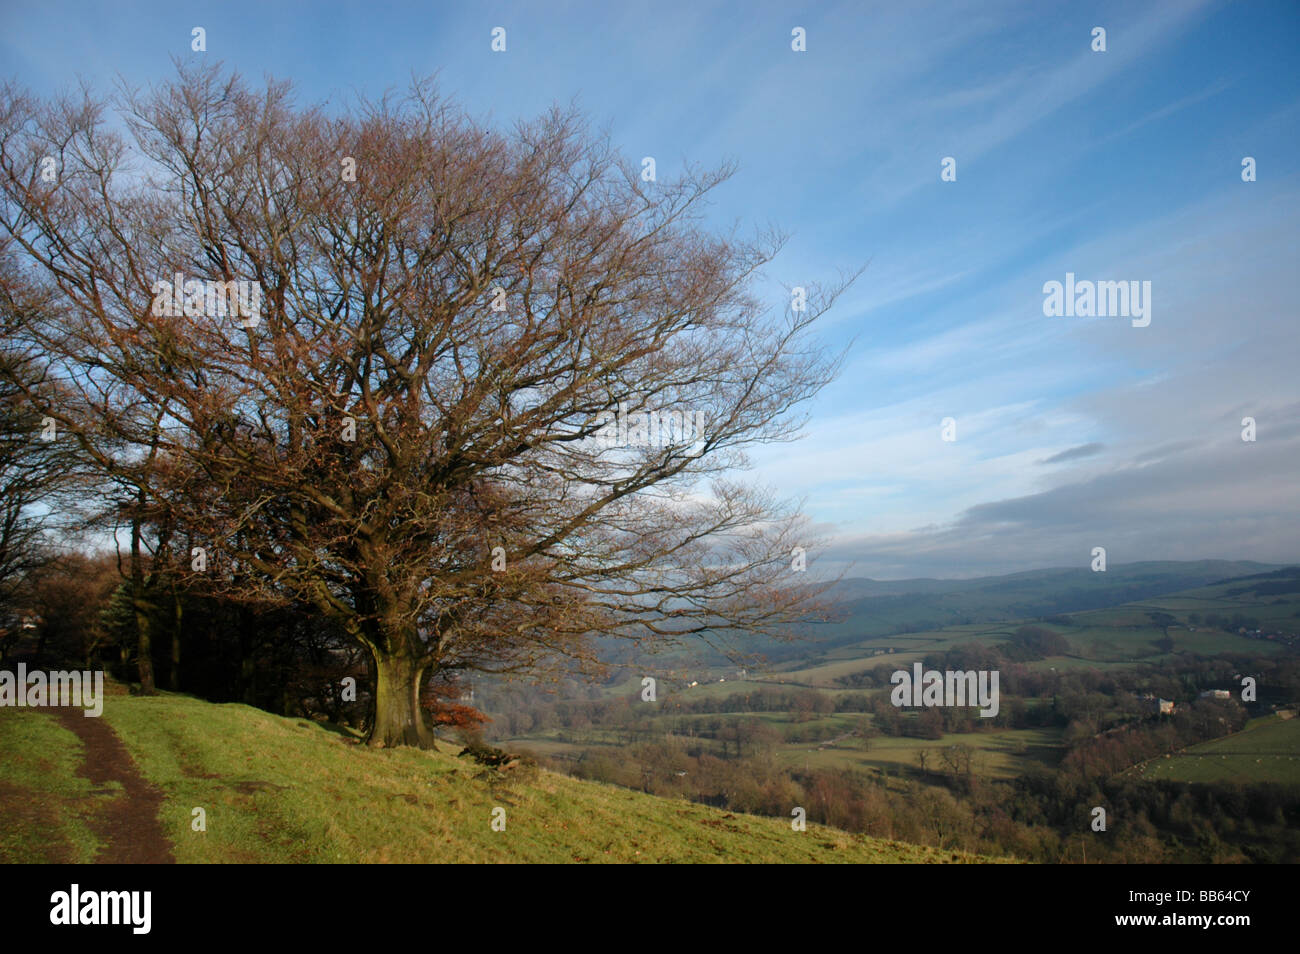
point(826, 674)
point(1268, 750)
point(285, 790)
point(1213, 642)
point(1063, 663)
point(845, 660)
point(45, 805)
point(1002, 754)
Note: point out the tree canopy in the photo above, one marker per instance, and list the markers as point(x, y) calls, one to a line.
point(366, 360)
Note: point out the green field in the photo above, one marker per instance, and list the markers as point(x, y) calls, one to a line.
point(1004, 754)
point(909, 648)
point(1268, 750)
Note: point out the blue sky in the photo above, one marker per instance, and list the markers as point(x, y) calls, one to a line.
point(1116, 165)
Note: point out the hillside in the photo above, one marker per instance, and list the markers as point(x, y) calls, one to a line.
point(288, 790)
point(874, 608)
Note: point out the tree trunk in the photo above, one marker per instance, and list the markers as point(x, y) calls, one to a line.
point(174, 677)
point(247, 686)
point(142, 608)
point(398, 717)
point(144, 650)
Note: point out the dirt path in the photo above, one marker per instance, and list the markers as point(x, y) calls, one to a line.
point(128, 824)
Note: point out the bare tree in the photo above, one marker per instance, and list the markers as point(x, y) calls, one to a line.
point(428, 415)
point(33, 471)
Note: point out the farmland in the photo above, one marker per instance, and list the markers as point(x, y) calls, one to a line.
point(1268, 750)
point(823, 710)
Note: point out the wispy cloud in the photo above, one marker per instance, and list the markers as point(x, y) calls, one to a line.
point(1074, 453)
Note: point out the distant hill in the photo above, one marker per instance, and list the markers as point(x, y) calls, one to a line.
point(1276, 583)
point(1156, 573)
point(884, 608)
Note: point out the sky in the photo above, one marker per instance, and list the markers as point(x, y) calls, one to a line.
point(1122, 164)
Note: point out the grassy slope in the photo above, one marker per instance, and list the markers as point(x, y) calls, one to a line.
point(44, 802)
point(284, 790)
